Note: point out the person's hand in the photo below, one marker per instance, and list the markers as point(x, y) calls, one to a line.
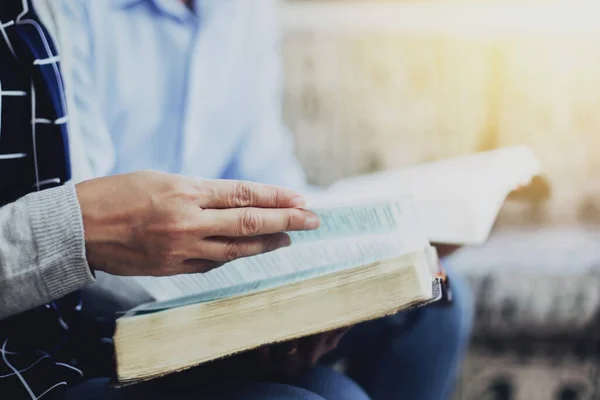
point(288, 358)
point(157, 224)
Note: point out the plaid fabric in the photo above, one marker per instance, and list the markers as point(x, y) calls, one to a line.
point(37, 348)
point(33, 136)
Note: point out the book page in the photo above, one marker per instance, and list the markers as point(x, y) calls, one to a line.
point(456, 200)
point(358, 218)
point(349, 236)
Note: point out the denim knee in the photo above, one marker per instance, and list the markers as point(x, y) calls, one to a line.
point(462, 310)
point(330, 384)
point(272, 391)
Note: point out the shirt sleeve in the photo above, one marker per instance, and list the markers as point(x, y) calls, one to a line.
point(42, 250)
point(266, 151)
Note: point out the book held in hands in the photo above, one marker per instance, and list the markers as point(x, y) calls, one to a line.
point(371, 257)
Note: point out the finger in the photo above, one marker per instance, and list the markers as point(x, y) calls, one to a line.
point(333, 339)
point(252, 221)
point(221, 193)
point(287, 348)
point(285, 358)
point(311, 349)
point(228, 249)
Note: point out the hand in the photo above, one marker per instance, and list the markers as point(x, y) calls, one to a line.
point(151, 223)
point(288, 358)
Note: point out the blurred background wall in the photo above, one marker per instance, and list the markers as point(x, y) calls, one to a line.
point(374, 85)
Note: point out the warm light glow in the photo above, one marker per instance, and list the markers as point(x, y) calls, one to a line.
point(484, 19)
point(375, 85)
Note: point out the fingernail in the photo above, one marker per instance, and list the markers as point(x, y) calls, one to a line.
point(288, 347)
point(298, 201)
point(292, 351)
point(312, 222)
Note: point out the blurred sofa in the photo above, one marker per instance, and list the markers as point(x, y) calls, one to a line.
point(537, 326)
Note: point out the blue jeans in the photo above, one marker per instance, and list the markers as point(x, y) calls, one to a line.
point(323, 384)
point(413, 355)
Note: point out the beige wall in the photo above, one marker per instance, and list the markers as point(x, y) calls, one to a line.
point(359, 101)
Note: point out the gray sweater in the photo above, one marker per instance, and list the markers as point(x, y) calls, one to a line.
point(42, 250)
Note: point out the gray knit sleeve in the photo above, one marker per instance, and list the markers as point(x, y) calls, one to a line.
point(42, 250)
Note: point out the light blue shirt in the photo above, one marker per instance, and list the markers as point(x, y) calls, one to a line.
point(160, 87)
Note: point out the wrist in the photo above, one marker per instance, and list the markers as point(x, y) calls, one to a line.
point(105, 226)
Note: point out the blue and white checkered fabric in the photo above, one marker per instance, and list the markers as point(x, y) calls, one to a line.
point(40, 349)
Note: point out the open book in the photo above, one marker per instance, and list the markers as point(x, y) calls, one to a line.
point(457, 200)
point(370, 257)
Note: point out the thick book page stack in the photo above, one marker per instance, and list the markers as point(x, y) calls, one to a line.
point(366, 260)
point(370, 257)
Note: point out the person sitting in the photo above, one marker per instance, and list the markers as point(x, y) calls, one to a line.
point(194, 88)
point(54, 235)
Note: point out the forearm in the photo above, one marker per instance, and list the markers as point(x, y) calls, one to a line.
point(42, 250)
